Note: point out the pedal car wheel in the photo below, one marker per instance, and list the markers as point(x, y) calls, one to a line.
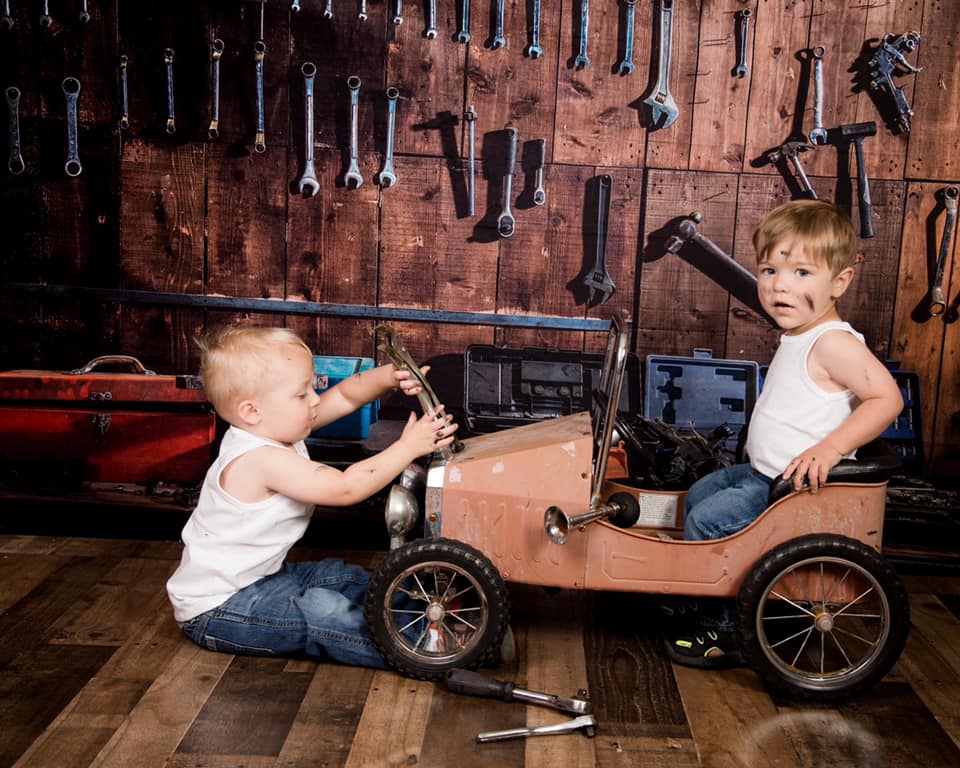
point(822, 617)
point(436, 604)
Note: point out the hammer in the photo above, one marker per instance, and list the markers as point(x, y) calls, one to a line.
point(857, 132)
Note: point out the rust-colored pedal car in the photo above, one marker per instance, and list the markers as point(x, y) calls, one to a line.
point(820, 613)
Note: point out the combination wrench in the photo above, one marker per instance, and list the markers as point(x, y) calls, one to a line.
point(260, 140)
point(470, 118)
point(626, 65)
point(937, 302)
point(599, 284)
point(431, 31)
point(506, 224)
point(818, 134)
point(463, 34)
point(585, 723)
point(171, 115)
point(353, 172)
point(534, 50)
point(124, 100)
point(328, 9)
point(6, 20)
point(295, 6)
point(71, 90)
point(582, 61)
point(45, 19)
point(362, 13)
point(661, 103)
point(388, 176)
point(743, 32)
point(15, 163)
point(308, 184)
point(499, 41)
point(539, 194)
point(216, 52)
point(398, 12)
point(84, 12)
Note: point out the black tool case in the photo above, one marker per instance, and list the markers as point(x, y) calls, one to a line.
point(506, 388)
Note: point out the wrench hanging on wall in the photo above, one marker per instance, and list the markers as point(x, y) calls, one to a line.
point(216, 52)
point(938, 303)
point(6, 20)
point(818, 134)
point(308, 184)
point(171, 126)
point(15, 162)
point(71, 90)
point(663, 108)
point(259, 54)
point(582, 61)
point(353, 172)
point(506, 224)
point(388, 176)
point(124, 101)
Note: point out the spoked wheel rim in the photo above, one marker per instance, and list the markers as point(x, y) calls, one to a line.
point(823, 621)
point(435, 612)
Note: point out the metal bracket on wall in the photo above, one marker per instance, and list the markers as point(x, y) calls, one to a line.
point(312, 308)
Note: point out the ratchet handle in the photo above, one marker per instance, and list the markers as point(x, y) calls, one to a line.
point(511, 149)
point(474, 684)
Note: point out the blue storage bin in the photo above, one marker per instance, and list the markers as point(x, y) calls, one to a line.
point(701, 392)
point(905, 435)
point(330, 371)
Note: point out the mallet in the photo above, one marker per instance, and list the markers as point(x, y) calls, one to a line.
point(856, 133)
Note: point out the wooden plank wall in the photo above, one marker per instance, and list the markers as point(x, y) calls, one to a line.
point(190, 215)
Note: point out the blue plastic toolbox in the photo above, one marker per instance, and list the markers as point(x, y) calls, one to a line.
point(905, 435)
point(700, 392)
point(330, 371)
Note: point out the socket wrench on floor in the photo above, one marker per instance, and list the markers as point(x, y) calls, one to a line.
point(938, 304)
point(353, 172)
point(71, 90)
point(15, 162)
point(818, 134)
point(171, 126)
point(388, 176)
point(663, 108)
point(474, 684)
point(308, 184)
point(585, 723)
point(506, 224)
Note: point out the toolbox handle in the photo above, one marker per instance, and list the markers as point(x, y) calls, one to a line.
point(113, 360)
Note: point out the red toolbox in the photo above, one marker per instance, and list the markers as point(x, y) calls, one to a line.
point(106, 427)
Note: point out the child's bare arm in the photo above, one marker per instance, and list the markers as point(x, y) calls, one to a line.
point(356, 391)
point(850, 365)
point(288, 473)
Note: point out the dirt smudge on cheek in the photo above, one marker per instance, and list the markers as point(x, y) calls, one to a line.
point(809, 299)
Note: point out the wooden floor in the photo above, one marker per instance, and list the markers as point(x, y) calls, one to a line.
point(93, 671)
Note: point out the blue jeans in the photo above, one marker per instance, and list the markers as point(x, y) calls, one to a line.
point(725, 501)
point(314, 608)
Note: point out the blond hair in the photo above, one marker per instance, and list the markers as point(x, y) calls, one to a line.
point(236, 362)
point(824, 231)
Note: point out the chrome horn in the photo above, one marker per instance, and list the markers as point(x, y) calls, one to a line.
point(621, 509)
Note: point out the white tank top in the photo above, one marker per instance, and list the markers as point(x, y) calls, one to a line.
point(792, 412)
point(229, 544)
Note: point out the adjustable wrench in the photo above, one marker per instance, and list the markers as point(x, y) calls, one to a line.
point(431, 31)
point(582, 61)
point(790, 152)
point(534, 50)
point(71, 89)
point(84, 12)
point(626, 66)
point(818, 134)
point(505, 221)
point(216, 51)
point(353, 172)
point(499, 41)
point(45, 20)
point(388, 177)
point(937, 302)
point(171, 116)
point(463, 34)
point(6, 20)
point(259, 53)
point(15, 163)
point(124, 101)
point(470, 118)
point(742, 34)
point(474, 684)
point(398, 13)
point(600, 286)
point(308, 184)
point(539, 195)
point(660, 100)
point(585, 723)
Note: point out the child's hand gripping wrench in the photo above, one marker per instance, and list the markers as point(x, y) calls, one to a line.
point(937, 302)
point(474, 684)
point(660, 101)
point(15, 162)
point(71, 90)
point(353, 172)
point(600, 286)
point(505, 221)
point(308, 184)
point(388, 176)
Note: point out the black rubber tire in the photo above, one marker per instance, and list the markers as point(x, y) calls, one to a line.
point(807, 647)
point(471, 630)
